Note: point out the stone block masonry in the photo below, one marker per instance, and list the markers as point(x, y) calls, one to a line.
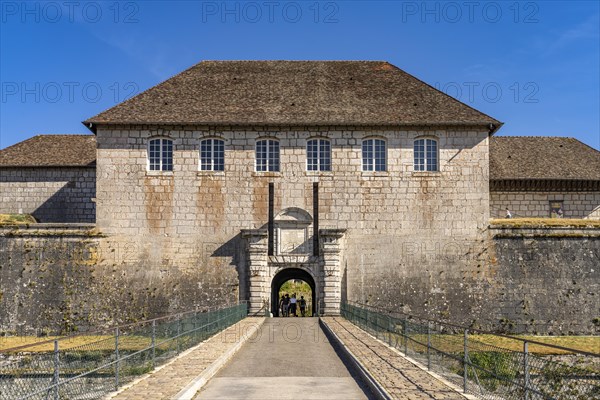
point(178, 218)
point(50, 194)
point(537, 204)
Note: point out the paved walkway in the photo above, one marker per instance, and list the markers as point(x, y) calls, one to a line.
point(400, 378)
point(290, 359)
point(169, 380)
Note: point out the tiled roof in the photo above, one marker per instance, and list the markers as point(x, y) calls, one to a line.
point(51, 151)
point(542, 157)
point(294, 93)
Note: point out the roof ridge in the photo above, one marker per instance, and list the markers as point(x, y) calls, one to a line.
point(536, 136)
point(312, 61)
point(61, 134)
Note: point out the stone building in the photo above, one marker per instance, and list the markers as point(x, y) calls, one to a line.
point(232, 177)
point(543, 177)
point(52, 177)
point(332, 172)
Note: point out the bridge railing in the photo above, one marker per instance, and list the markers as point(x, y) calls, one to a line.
point(487, 365)
point(90, 366)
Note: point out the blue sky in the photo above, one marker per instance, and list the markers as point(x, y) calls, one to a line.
point(533, 65)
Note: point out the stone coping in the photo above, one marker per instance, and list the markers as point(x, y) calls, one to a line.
point(50, 229)
point(500, 231)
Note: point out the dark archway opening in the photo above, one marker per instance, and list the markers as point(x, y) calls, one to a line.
point(286, 275)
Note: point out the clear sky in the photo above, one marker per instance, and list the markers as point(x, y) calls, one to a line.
point(533, 65)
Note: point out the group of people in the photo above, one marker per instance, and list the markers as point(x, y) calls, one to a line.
point(288, 305)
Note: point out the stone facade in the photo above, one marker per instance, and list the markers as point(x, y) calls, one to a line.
point(537, 204)
point(50, 194)
point(191, 219)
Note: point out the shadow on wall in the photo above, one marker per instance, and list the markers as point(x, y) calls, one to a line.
point(68, 204)
point(49, 194)
point(234, 250)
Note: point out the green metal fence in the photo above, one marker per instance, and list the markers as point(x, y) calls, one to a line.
point(91, 366)
point(485, 370)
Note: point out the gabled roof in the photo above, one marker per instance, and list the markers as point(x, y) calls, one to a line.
point(542, 157)
point(294, 93)
point(51, 151)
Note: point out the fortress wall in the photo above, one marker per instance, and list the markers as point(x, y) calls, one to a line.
point(543, 281)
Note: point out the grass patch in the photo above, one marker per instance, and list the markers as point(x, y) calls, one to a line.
point(16, 219)
point(590, 344)
point(454, 344)
point(544, 222)
point(92, 343)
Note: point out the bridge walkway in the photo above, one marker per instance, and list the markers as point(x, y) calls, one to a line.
point(286, 358)
point(290, 358)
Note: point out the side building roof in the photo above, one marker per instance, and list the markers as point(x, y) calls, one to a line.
point(51, 151)
point(542, 158)
point(299, 93)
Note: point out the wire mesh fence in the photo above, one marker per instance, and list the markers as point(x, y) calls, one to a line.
point(91, 366)
point(519, 369)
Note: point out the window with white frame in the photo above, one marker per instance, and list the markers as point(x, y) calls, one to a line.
point(160, 155)
point(212, 155)
point(318, 155)
point(373, 155)
point(267, 155)
point(426, 154)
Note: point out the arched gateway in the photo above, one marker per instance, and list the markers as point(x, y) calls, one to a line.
point(285, 275)
point(293, 248)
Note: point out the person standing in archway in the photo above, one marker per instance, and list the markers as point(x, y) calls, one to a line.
point(293, 302)
point(302, 306)
point(285, 308)
point(281, 306)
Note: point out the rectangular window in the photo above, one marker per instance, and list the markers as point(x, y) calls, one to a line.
point(267, 155)
point(318, 155)
point(212, 155)
point(556, 209)
point(160, 155)
point(374, 155)
point(425, 155)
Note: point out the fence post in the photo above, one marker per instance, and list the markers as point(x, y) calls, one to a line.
point(526, 369)
point(195, 325)
point(405, 334)
point(117, 358)
point(153, 343)
point(465, 361)
point(428, 345)
point(178, 333)
point(56, 370)
point(389, 329)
